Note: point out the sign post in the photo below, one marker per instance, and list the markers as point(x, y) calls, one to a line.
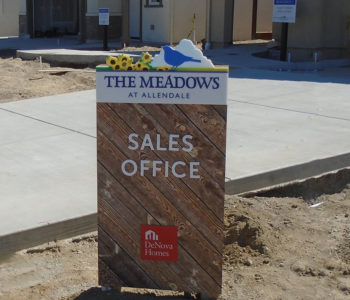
point(284, 11)
point(161, 136)
point(103, 19)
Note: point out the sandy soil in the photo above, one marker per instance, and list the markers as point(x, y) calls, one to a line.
point(24, 79)
point(276, 247)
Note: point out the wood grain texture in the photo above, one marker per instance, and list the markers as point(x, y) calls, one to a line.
point(119, 262)
point(176, 191)
point(161, 209)
point(194, 205)
point(164, 274)
point(208, 188)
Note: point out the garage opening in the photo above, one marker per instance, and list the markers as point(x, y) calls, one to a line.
point(55, 18)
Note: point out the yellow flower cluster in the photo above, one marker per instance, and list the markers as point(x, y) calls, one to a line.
point(124, 62)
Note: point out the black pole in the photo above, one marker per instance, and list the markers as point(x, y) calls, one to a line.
point(284, 42)
point(254, 18)
point(105, 37)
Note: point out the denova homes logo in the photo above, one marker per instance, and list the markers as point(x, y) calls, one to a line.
point(159, 243)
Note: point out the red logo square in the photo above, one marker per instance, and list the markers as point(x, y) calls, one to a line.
point(159, 243)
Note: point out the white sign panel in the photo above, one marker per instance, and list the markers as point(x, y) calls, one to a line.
point(103, 16)
point(284, 11)
point(162, 87)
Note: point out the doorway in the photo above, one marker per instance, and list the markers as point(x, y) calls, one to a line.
point(135, 17)
point(55, 17)
point(262, 19)
point(252, 20)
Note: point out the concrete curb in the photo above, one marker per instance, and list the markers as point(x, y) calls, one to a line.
point(70, 57)
point(11, 243)
point(284, 175)
point(84, 224)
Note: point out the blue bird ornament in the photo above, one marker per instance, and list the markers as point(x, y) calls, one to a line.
point(175, 58)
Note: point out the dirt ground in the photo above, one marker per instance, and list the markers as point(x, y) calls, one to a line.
point(29, 79)
point(277, 246)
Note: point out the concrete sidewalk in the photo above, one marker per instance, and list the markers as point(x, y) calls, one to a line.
point(282, 126)
point(48, 168)
point(65, 42)
point(70, 57)
point(48, 151)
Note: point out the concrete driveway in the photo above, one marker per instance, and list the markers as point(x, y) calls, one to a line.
point(281, 126)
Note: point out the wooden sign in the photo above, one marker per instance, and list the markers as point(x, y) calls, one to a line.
point(161, 177)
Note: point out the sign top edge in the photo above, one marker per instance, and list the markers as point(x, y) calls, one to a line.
point(221, 69)
point(184, 57)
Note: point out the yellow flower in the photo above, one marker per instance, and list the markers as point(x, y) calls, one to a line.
point(125, 58)
point(163, 68)
point(141, 66)
point(112, 62)
point(146, 57)
point(117, 66)
point(125, 65)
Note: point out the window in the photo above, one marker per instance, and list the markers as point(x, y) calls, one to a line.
point(154, 3)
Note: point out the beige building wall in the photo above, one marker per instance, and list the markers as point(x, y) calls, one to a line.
point(243, 14)
point(115, 7)
point(156, 22)
point(183, 12)
point(221, 20)
point(9, 17)
point(320, 27)
point(93, 30)
point(242, 20)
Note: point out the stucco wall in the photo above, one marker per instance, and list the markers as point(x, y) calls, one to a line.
point(217, 22)
point(156, 23)
point(320, 27)
point(93, 30)
point(9, 17)
point(183, 15)
point(221, 15)
point(115, 7)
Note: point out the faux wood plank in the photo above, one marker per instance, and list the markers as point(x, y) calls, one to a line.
point(209, 121)
point(171, 120)
point(207, 189)
point(127, 238)
point(193, 205)
point(222, 110)
point(117, 195)
point(161, 209)
point(187, 275)
point(186, 265)
point(120, 262)
point(107, 278)
point(177, 192)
